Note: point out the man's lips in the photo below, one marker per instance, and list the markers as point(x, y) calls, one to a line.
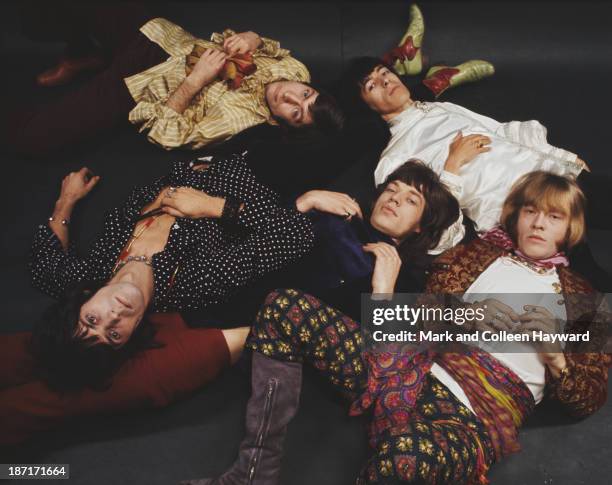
point(388, 209)
point(535, 238)
point(124, 302)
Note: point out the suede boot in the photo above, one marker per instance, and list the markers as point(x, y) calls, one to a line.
point(275, 396)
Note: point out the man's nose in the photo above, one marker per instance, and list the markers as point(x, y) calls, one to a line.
point(539, 219)
point(114, 313)
point(292, 97)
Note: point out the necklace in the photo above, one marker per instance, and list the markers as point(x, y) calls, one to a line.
point(124, 256)
point(139, 259)
point(528, 264)
point(420, 105)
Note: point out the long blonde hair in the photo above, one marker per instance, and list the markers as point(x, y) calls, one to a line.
point(547, 192)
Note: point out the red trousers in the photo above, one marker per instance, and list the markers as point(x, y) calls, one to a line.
point(190, 358)
point(94, 108)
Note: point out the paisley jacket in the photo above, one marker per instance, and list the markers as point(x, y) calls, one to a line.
point(582, 387)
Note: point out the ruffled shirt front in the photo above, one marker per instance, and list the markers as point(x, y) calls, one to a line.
point(216, 113)
point(425, 131)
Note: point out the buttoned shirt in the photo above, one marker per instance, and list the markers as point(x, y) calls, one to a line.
point(205, 260)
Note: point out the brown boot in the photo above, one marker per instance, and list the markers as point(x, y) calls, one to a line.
point(69, 68)
point(275, 396)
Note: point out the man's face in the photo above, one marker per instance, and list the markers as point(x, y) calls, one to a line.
point(383, 92)
point(398, 210)
point(541, 233)
point(291, 101)
point(112, 314)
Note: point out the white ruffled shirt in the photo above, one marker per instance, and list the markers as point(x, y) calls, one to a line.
point(424, 131)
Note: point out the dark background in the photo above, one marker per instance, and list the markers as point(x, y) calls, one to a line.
point(554, 64)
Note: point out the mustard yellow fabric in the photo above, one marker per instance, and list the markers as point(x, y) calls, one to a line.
point(216, 113)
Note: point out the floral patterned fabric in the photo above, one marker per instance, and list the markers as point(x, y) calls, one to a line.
point(435, 440)
point(582, 390)
point(397, 376)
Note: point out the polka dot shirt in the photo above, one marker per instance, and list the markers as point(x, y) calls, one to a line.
point(205, 260)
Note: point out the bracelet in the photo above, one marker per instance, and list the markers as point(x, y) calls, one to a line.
point(231, 207)
point(63, 222)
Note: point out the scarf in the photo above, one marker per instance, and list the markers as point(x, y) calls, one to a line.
point(233, 72)
point(500, 238)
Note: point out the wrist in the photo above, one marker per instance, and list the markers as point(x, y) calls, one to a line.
point(63, 208)
point(304, 202)
point(451, 165)
point(217, 204)
point(193, 84)
point(383, 288)
point(556, 363)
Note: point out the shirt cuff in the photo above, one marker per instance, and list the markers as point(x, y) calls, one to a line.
point(453, 182)
point(271, 48)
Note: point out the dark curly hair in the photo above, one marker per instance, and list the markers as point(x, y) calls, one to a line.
point(440, 211)
point(327, 120)
point(69, 363)
point(351, 84)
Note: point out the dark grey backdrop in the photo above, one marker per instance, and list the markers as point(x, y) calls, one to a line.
point(553, 64)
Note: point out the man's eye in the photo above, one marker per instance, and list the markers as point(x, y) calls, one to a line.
point(295, 113)
point(306, 93)
point(90, 319)
point(115, 335)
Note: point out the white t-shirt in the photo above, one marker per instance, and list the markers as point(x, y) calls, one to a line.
point(514, 284)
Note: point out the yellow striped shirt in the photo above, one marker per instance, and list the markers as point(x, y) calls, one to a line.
point(216, 113)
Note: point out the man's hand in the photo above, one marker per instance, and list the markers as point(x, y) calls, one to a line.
point(386, 267)
point(191, 203)
point(77, 185)
point(585, 166)
point(241, 43)
point(497, 316)
point(537, 318)
point(463, 149)
point(330, 202)
point(207, 68)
